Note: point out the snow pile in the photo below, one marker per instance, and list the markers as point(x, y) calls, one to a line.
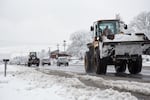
point(27, 84)
point(12, 88)
point(142, 88)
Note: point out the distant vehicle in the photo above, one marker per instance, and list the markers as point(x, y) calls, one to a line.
point(46, 61)
point(33, 60)
point(62, 61)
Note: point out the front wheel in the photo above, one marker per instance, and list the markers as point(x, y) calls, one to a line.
point(100, 63)
point(29, 64)
point(87, 62)
point(37, 64)
point(67, 64)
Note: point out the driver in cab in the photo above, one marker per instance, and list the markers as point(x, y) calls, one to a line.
point(108, 33)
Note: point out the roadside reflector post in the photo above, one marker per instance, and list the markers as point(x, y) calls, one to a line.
point(5, 62)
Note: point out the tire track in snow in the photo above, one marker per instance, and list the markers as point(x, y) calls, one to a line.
point(99, 82)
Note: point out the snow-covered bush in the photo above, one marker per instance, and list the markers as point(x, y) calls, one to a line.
point(78, 43)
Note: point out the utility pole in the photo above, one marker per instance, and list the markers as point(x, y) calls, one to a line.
point(58, 47)
point(64, 45)
point(49, 52)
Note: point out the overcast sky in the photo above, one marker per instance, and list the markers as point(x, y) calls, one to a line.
point(50, 22)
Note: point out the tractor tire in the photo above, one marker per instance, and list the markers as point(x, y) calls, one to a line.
point(135, 67)
point(67, 64)
point(120, 67)
point(37, 64)
point(87, 62)
point(100, 64)
point(29, 64)
point(49, 64)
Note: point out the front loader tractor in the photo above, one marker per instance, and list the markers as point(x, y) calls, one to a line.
point(111, 46)
point(33, 59)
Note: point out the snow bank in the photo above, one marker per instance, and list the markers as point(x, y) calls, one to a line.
point(16, 89)
point(138, 87)
point(27, 84)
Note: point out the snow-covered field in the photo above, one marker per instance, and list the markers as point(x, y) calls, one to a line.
point(23, 83)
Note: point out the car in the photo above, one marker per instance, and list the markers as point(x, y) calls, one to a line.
point(62, 61)
point(46, 61)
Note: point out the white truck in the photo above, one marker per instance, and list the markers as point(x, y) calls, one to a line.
point(46, 60)
point(115, 47)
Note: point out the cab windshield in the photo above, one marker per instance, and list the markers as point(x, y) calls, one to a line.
point(111, 25)
point(32, 53)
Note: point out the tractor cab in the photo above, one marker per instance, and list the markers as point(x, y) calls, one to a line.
point(33, 59)
point(32, 55)
point(106, 28)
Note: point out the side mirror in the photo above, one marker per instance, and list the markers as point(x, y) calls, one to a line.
point(125, 26)
point(92, 28)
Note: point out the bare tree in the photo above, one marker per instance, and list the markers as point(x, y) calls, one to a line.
point(78, 45)
point(141, 23)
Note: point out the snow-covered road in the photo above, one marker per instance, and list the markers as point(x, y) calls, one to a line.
point(80, 69)
point(136, 84)
point(70, 83)
point(23, 83)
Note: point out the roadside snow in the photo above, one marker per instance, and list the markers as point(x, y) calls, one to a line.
point(138, 87)
point(24, 83)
